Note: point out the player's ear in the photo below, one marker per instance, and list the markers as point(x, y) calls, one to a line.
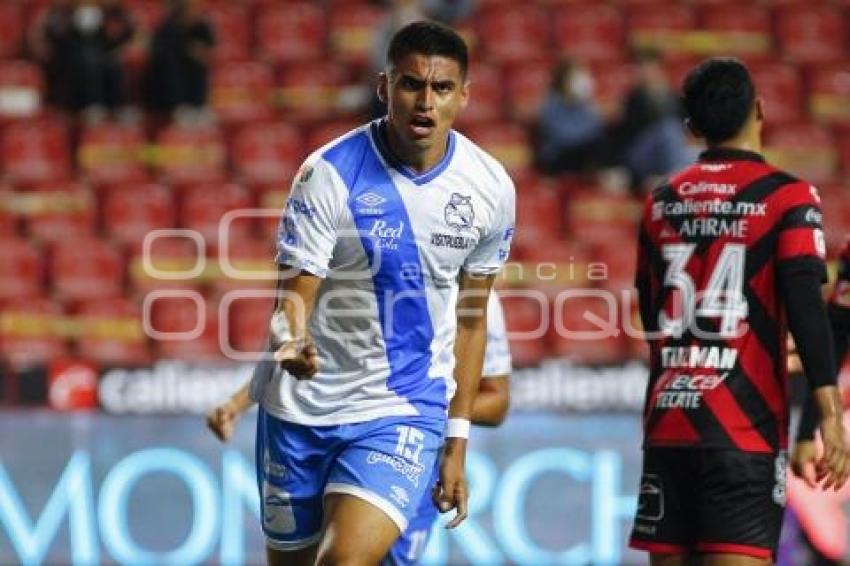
point(464, 93)
point(689, 126)
point(759, 109)
point(383, 87)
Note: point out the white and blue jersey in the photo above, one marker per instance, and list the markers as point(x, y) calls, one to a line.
point(411, 544)
point(389, 245)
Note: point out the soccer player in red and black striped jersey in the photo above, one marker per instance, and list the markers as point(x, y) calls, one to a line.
point(730, 257)
point(804, 460)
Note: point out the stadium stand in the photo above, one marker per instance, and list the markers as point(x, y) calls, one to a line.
point(78, 200)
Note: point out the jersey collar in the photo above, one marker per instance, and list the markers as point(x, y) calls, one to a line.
point(379, 135)
point(729, 154)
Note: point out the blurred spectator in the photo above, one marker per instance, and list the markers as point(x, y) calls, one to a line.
point(179, 59)
point(79, 43)
point(650, 138)
point(569, 132)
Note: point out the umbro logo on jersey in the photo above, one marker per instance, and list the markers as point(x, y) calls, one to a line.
point(370, 204)
point(371, 199)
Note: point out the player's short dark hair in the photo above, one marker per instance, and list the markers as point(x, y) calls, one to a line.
point(718, 96)
point(428, 38)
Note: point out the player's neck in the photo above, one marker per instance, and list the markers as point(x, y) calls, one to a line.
point(419, 159)
point(743, 142)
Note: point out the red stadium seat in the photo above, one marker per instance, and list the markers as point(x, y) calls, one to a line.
point(805, 150)
point(111, 332)
point(589, 31)
point(619, 266)
point(11, 29)
point(555, 264)
point(327, 131)
point(131, 211)
point(56, 211)
point(21, 89)
point(835, 204)
point(173, 262)
point(829, 93)
point(538, 215)
point(190, 154)
point(844, 151)
point(231, 25)
point(272, 198)
point(204, 206)
point(86, 268)
point(9, 204)
point(599, 218)
point(289, 32)
point(36, 151)
point(351, 28)
point(486, 94)
point(526, 322)
point(779, 85)
point(507, 142)
point(251, 261)
point(248, 319)
point(811, 31)
point(587, 331)
point(267, 153)
point(241, 91)
point(662, 26)
point(527, 84)
point(310, 91)
point(739, 29)
point(182, 315)
point(21, 271)
point(112, 153)
point(513, 33)
point(30, 332)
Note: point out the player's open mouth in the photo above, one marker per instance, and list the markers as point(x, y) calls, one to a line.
point(422, 125)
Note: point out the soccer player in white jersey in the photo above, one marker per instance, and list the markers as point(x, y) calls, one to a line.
point(388, 246)
point(489, 409)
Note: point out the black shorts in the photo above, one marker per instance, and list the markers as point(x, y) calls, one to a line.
point(710, 501)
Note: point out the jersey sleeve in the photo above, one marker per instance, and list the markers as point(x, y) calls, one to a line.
point(492, 251)
point(308, 227)
point(801, 244)
point(497, 352)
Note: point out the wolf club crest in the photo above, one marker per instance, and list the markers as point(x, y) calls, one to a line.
point(459, 212)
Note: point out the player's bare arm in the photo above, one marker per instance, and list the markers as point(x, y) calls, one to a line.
point(291, 343)
point(492, 401)
point(222, 419)
point(452, 492)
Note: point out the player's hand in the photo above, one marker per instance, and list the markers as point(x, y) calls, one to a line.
point(834, 465)
point(793, 362)
point(804, 460)
point(222, 421)
point(298, 357)
point(451, 491)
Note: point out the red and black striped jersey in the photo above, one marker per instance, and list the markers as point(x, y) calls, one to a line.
point(713, 243)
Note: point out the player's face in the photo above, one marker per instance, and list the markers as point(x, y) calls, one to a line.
point(424, 95)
